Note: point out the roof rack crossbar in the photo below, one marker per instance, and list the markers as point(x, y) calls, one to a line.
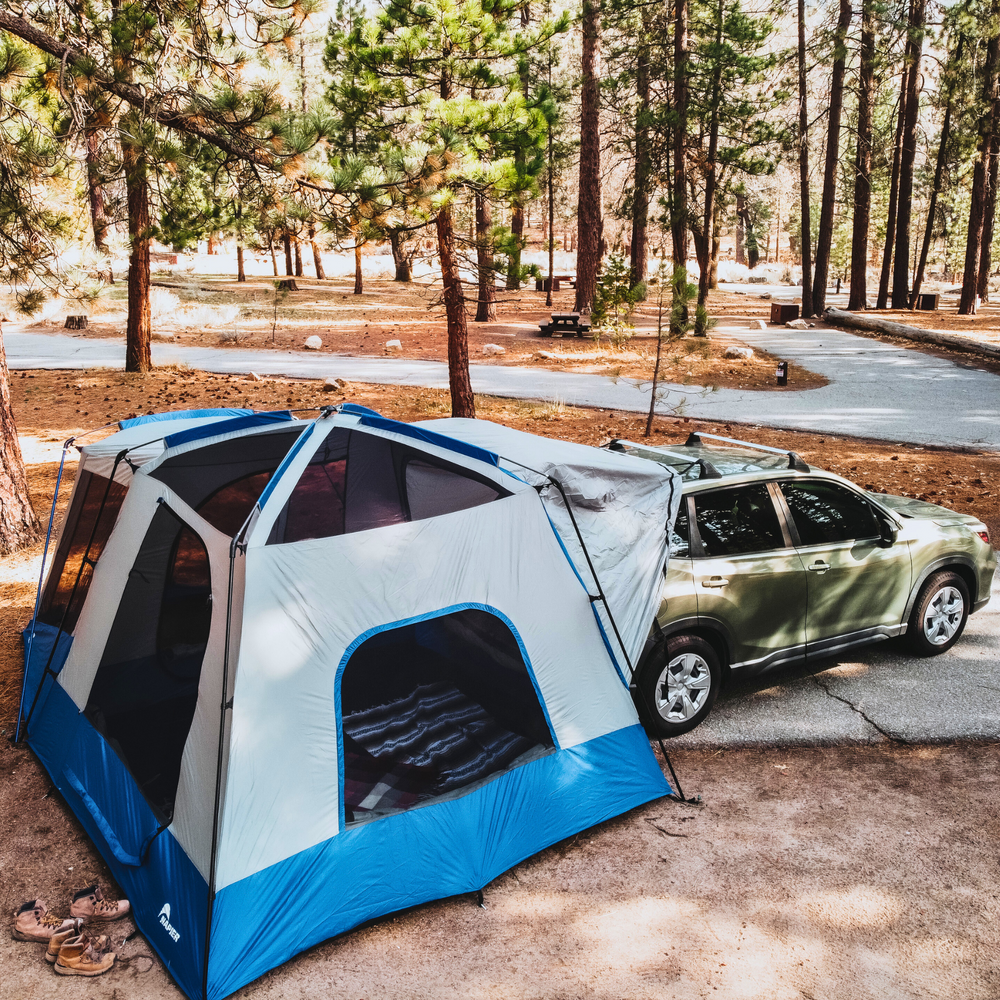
point(794, 460)
point(707, 470)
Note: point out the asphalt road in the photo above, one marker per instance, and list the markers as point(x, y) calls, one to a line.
point(876, 390)
point(869, 695)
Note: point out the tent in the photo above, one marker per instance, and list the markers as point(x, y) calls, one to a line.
point(338, 667)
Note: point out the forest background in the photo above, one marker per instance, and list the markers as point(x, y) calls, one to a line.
point(842, 141)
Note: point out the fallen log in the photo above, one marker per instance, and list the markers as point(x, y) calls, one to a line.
point(864, 321)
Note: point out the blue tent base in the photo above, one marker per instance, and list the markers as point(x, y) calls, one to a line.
point(426, 854)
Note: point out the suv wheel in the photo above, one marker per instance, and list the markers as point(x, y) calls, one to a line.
point(678, 685)
point(939, 615)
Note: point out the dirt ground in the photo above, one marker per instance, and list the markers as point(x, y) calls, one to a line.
point(852, 872)
point(215, 311)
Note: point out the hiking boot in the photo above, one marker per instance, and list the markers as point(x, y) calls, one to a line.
point(90, 904)
point(32, 922)
point(84, 955)
point(60, 938)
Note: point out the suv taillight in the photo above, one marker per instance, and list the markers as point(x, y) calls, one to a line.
point(983, 534)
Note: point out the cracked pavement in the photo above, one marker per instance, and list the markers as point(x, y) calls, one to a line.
point(869, 695)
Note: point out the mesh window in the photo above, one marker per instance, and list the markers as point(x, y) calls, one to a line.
point(434, 709)
point(357, 481)
point(146, 688)
point(825, 512)
point(733, 521)
point(92, 515)
point(223, 481)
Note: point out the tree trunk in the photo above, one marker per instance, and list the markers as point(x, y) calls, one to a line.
point(678, 193)
point(298, 258)
point(95, 189)
point(359, 278)
point(980, 178)
point(241, 274)
point(211, 245)
point(138, 325)
point(590, 222)
point(639, 250)
point(486, 307)
point(517, 243)
point(463, 403)
point(18, 526)
point(741, 238)
point(936, 188)
point(317, 259)
point(824, 238)
point(403, 270)
point(989, 216)
point(863, 163)
point(552, 208)
point(805, 234)
point(274, 258)
point(890, 227)
point(286, 239)
point(711, 180)
point(908, 153)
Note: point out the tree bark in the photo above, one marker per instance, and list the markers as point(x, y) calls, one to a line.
point(590, 222)
point(18, 525)
point(486, 307)
point(359, 278)
point(989, 217)
point(517, 208)
point(463, 402)
point(210, 249)
point(741, 239)
point(138, 325)
point(678, 192)
point(286, 239)
point(824, 238)
point(639, 250)
point(882, 301)
point(863, 162)
point(241, 274)
point(805, 235)
point(711, 180)
point(967, 305)
point(274, 258)
point(908, 153)
point(403, 270)
point(95, 189)
point(936, 188)
point(298, 258)
point(317, 259)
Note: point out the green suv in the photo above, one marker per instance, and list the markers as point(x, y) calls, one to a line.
point(773, 562)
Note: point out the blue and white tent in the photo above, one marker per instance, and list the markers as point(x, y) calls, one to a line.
point(348, 663)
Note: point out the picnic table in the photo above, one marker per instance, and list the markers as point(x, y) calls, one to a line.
point(542, 284)
point(565, 325)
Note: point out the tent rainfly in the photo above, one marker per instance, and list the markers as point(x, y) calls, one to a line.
point(349, 663)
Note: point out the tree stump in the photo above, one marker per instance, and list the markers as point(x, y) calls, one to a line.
point(76, 323)
point(287, 285)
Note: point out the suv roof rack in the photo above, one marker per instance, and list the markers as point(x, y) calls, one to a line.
point(706, 469)
point(794, 460)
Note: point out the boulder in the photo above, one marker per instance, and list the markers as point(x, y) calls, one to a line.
point(313, 343)
point(797, 324)
point(758, 324)
point(493, 349)
point(332, 384)
point(254, 377)
point(547, 356)
point(740, 353)
point(394, 346)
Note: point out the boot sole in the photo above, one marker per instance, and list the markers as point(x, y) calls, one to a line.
point(62, 970)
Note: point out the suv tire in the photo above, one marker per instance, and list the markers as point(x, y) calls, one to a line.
point(939, 614)
point(677, 685)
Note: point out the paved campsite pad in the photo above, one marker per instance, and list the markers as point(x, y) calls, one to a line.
point(864, 870)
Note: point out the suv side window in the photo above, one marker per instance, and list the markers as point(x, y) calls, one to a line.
point(680, 540)
point(826, 512)
point(737, 520)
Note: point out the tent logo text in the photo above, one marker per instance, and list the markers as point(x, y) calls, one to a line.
point(167, 925)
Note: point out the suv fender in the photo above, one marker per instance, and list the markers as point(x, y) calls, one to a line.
point(963, 565)
point(710, 629)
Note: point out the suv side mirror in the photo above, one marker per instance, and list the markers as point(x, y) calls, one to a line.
point(888, 532)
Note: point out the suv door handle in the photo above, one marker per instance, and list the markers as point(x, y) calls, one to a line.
point(819, 567)
point(715, 581)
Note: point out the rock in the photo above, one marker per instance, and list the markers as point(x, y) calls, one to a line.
point(254, 377)
point(758, 324)
point(168, 337)
point(743, 353)
point(764, 295)
point(547, 356)
point(797, 324)
point(331, 384)
point(394, 346)
point(757, 279)
point(493, 349)
point(313, 343)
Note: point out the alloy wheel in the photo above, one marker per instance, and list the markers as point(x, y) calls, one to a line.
point(682, 687)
